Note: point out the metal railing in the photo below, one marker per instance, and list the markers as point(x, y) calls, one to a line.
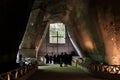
point(111, 69)
point(102, 71)
point(16, 74)
point(109, 72)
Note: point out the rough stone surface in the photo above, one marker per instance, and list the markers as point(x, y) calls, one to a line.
point(93, 26)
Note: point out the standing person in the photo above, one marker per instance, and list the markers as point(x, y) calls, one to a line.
point(66, 59)
point(47, 58)
point(70, 59)
point(58, 59)
point(61, 59)
point(54, 59)
point(51, 58)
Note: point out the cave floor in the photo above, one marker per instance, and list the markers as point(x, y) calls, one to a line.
point(55, 72)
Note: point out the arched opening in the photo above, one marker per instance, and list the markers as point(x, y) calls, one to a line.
point(56, 41)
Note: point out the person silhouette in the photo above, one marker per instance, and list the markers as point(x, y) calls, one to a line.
point(47, 58)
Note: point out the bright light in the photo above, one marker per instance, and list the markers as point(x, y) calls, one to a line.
point(112, 44)
point(57, 33)
point(17, 58)
point(87, 40)
point(78, 50)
